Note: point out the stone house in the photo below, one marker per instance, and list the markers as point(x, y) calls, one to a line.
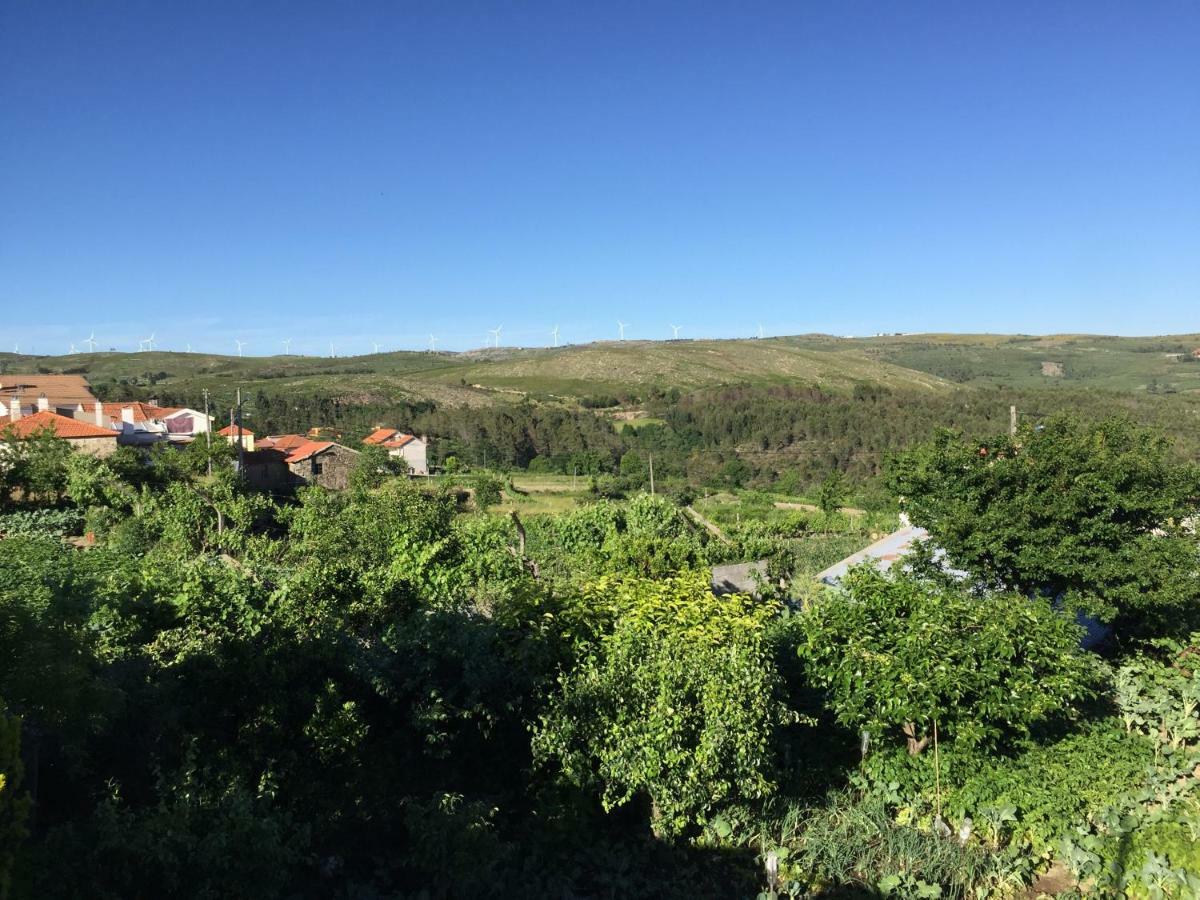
point(326, 463)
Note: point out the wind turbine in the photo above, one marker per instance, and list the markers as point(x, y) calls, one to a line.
point(72, 348)
point(760, 331)
point(675, 328)
point(621, 325)
point(189, 347)
point(287, 346)
point(332, 349)
point(91, 342)
point(495, 332)
point(432, 344)
point(148, 343)
point(375, 344)
point(240, 344)
point(555, 333)
point(16, 348)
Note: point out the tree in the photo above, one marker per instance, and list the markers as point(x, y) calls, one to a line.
point(675, 699)
point(374, 464)
point(897, 655)
point(1092, 515)
point(487, 491)
point(831, 494)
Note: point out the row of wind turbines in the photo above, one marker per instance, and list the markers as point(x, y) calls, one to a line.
point(146, 345)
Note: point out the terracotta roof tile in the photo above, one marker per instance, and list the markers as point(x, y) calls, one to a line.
point(379, 436)
point(307, 449)
point(62, 426)
point(232, 431)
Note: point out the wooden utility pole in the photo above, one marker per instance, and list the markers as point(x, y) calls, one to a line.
point(241, 443)
point(207, 432)
point(651, 474)
point(1012, 420)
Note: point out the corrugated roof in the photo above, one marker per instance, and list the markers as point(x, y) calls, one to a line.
point(882, 553)
point(62, 426)
point(60, 390)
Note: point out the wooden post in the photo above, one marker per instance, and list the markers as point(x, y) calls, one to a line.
point(651, 474)
point(1012, 420)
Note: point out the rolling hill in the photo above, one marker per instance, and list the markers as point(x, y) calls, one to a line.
point(925, 362)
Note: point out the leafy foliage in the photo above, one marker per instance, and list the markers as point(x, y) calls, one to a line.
point(673, 698)
point(895, 653)
point(1091, 514)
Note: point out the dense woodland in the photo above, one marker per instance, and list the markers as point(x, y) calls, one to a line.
point(390, 692)
point(786, 437)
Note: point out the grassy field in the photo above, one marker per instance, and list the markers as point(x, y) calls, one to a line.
point(931, 362)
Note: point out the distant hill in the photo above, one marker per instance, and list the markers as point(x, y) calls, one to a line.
point(926, 362)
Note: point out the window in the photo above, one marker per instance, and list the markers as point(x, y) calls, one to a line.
point(316, 466)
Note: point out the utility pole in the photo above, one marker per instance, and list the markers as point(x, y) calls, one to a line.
point(574, 472)
point(1012, 420)
point(208, 432)
point(651, 474)
point(241, 443)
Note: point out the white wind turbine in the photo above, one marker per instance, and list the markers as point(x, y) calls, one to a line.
point(760, 331)
point(675, 329)
point(555, 333)
point(91, 341)
point(189, 347)
point(72, 348)
point(432, 344)
point(495, 333)
point(148, 343)
point(621, 325)
point(287, 346)
point(375, 344)
point(240, 345)
point(332, 349)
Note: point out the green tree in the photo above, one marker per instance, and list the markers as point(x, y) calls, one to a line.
point(897, 655)
point(675, 699)
point(487, 490)
point(373, 466)
point(1094, 515)
point(831, 494)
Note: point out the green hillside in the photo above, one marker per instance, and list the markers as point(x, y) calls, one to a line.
point(925, 362)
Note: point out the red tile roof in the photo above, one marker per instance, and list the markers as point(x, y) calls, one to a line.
point(307, 449)
point(60, 390)
point(379, 436)
point(62, 426)
point(142, 412)
point(232, 431)
point(287, 442)
point(399, 442)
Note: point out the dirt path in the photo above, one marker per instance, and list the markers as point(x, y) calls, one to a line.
point(707, 525)
point(809, 507)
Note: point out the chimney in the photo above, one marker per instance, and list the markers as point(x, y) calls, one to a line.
point(14, 407)
point(101, 418)
point(43, 403)
point(127, 414)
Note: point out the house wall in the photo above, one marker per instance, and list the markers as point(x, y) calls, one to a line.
point(335, 465)
point(98, 446)
point(414, 453)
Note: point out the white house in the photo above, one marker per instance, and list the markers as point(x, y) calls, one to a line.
point(413, 450)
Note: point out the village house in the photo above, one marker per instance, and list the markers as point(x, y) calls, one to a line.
point(238, 433)
point(413, 450)
point(66, 395)
point(325, 463)
point(81, 436)
point(139, 424)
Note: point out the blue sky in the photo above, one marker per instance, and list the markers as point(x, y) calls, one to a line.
point(380, 171)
